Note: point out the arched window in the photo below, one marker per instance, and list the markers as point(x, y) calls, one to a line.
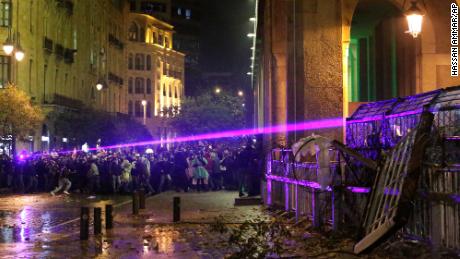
point(175, 92)
point(164, 90)
point(139, 88)
point(139, 62)
point(155, 38)
point(142, 35)
point(130, 61)
point(149, 62)
point(133, 32)
point(149, 109)
point(130, 108)
point(130, 85)
point(137, 109)
point(166, 42)
point(148, 86)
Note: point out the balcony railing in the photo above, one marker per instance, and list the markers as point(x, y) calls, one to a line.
point(68, 56)
point(67, 5)
point(115, 41)
point(48, 45)
point(59, 49)
point(116, 79)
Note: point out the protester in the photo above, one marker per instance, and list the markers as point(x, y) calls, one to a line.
point(198, 167)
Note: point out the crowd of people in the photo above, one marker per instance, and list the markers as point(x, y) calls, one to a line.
point(197, 168)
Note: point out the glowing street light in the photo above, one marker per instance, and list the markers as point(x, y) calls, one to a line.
point(249, 73)
point(99, 86)
point(144, 104)
point(218, 90)
point(19, 54)
point(414, 19)
point(251, 35)
point(8, 46)
point(240, 93)
point(252, 19)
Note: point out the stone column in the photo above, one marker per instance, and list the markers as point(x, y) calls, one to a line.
point(322, 41)
point(279, 45)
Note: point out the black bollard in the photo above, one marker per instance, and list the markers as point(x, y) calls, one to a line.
point(108, 216)
point(97, 221)
point(84, 223)
point(142, 199)
point(135, 203)
point(176, 209)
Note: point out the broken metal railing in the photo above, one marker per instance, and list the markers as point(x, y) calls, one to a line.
point(399, 193)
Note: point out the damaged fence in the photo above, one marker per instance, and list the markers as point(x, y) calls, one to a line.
point(374, 132)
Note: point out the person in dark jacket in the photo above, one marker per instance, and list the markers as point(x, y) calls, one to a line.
point(63, 182)
point(179, 175)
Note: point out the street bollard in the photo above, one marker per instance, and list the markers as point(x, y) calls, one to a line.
point(135, 203)
point(108, 216)
point(84, 223)
point(97, 221)
point(142, 199)
point(176, 209)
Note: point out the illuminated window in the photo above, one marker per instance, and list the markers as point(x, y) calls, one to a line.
point(5, 13)
point(179, 11)
point(133, 32)
point(188, 13)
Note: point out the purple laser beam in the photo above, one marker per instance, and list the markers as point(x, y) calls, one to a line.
point(308, 125)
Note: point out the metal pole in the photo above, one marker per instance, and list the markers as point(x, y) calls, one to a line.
point(142, 199)
point(84, 223)
point(135, 203)
point(97, 221)
point(176, 209)
point(108, 216)
point(145, 114)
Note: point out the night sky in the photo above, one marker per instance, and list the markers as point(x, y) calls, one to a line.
point(225, 45)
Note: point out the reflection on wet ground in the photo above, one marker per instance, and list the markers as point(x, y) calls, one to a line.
point(45, 226)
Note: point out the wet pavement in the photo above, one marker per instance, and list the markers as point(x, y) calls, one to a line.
point(42, 226)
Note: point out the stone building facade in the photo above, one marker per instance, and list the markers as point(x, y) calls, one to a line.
point(155, 72)
point(69, 47)
point(320, 59)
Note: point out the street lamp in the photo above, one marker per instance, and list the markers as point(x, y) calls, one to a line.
point(249, 73)
point(8, 46)
point(240, 93)
point(218, 90)
point(252, 19)
point(251, 35)
point(99, 86)
point(414, 19)
point(144, 104)
point(19, 54)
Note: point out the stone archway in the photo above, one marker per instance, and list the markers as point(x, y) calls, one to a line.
point(431, 62)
